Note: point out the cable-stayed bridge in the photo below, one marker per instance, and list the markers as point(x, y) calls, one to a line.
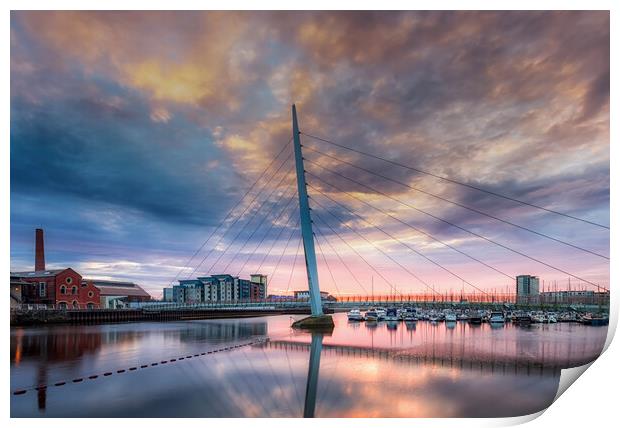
point(369, 224)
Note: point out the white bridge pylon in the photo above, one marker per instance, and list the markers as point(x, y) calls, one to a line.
point(306, 222)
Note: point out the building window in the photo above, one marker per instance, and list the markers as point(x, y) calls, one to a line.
point(63, 289)
point(91, 294)
point(62, 305)
point(42, 289)
point(74, 290)
point(75, 304)
point(90, 306)
point(69, 279)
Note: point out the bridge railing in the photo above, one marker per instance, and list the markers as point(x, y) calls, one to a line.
point(480, 298)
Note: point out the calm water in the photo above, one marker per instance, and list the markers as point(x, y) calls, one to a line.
point(360, 370)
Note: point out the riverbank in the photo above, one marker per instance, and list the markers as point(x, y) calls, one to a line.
point(103, 316)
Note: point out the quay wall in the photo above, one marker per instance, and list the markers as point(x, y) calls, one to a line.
point(102, 316)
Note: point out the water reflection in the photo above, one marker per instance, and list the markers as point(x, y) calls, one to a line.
point(402, 369)
point(313, 374)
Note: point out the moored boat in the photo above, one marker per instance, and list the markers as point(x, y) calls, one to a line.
point(355, 315)
point(391, 314)
point(410, 315)
point(595, 320)
point(450, 317)
point(497, 317)
point(475, 318)
point(462, 317)
point(371, 315)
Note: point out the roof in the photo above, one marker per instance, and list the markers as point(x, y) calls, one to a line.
point(118, 288)
point(38, 273)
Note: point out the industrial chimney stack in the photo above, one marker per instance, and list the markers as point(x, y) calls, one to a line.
point(39, 255)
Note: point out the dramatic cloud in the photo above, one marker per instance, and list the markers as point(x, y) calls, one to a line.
point(134, 133)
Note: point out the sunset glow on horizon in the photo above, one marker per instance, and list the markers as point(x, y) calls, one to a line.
point(133, 134)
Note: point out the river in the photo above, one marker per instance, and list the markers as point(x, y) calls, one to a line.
point(259, 367)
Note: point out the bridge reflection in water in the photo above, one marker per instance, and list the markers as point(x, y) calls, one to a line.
point(360, 369)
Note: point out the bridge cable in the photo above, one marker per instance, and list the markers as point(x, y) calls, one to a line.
point(341, 260)
point(290, 277)
point(466, 230)
point(247, 192)
point(318, 243)
point(273, 272)
point(399, 241)
point(405, 223)
point(456, 203)
point(277, 239)
point(363, 258)
point(237, 219)
point(252, 216)
point(273, 222)
point(460, 183)
point(261, 221)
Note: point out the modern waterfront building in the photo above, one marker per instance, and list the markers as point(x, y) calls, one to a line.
point(259, 286)
point(218, 288)
point(527, 288)
point(167, 295)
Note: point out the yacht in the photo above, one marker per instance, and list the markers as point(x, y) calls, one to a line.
point(410, 315)
point(538, 317)
point(450, 317)
point(595, 320)
point(372, 315)
point(391, 315)
point(381, 313)
point(462, 317)
point(355, 315)
point(497, 317)
point(523, 319)
point(475, 318)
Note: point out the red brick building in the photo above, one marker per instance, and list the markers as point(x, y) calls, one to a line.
point(66, 289)
point(55, 287)
point(60, 287)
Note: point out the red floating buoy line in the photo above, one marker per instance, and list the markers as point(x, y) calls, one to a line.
point(134, 368)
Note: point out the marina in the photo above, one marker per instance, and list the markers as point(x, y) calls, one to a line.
point(477, 316)
point(259, 367)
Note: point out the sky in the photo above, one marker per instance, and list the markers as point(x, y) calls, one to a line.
point(135, 134)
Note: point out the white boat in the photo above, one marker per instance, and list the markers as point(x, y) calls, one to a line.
point(450, 317)
point(497, 318)
point(381, 313)
point(538, 317)
point(410, 315)
point(371, 315)
point(462, 317)
point(355, 315)
point(391, 314)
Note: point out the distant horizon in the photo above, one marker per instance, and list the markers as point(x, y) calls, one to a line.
point(133, 134)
